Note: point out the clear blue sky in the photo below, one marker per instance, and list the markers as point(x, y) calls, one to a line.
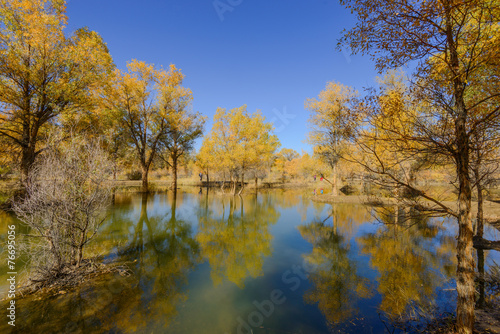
point(268, 54)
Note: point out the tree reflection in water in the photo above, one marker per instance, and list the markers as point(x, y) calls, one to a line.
point(394, 266)
point(165, 250)
point(337, 287)
point(409, 253)
point(234, 236)
point(161, 252)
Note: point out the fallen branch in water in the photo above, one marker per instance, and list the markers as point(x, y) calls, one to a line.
point(481, 243)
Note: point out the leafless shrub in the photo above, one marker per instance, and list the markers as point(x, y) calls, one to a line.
point(64, 206)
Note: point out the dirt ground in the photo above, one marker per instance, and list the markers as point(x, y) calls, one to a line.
point(487, 321)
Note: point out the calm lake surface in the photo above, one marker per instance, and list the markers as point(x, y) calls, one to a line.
point(271, 262)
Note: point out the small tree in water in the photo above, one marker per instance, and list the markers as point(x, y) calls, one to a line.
point(64, 207)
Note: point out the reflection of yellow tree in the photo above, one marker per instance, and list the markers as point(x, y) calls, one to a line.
point(336, 284)
point(162, 250)
point(286, 198)
point(165, 254)
point(237, 241)
point(346, 218)
point(408, 260)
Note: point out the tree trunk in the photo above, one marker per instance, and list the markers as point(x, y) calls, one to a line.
point(465, 263)
point(27, 160)
point(28, 148)
point(234, 180)
point(145, 172)
point(242, 183)
point(480, 270)
point(114, 169)
point(465, 266)
point(334, 183)
point(79, 256)
point(480, 201)
point(174, 172)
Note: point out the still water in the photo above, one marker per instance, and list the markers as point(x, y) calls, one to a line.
point(267, 262)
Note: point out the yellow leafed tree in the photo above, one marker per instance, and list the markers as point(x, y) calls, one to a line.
point(143, 99)
point(332, 125)
point(43, 73)
point(241, 141)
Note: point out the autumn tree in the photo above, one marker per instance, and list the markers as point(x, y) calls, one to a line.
point(205, 158)
point(9, 156)
point(241, 141)
point(332, 125)
point(451, 41)
point(182, 129)
point(284, 160)
point(143, 98)
point(43, 73)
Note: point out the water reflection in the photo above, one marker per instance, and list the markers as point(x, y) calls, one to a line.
point(233, 233)
point(161, 252)
point(337, 286)
point(201, 260)
point(409, 252)
point(164, 250)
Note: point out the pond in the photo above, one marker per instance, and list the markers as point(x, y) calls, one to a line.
point(266, 262)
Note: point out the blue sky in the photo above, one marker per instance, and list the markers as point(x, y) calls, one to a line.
point(270, 55)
